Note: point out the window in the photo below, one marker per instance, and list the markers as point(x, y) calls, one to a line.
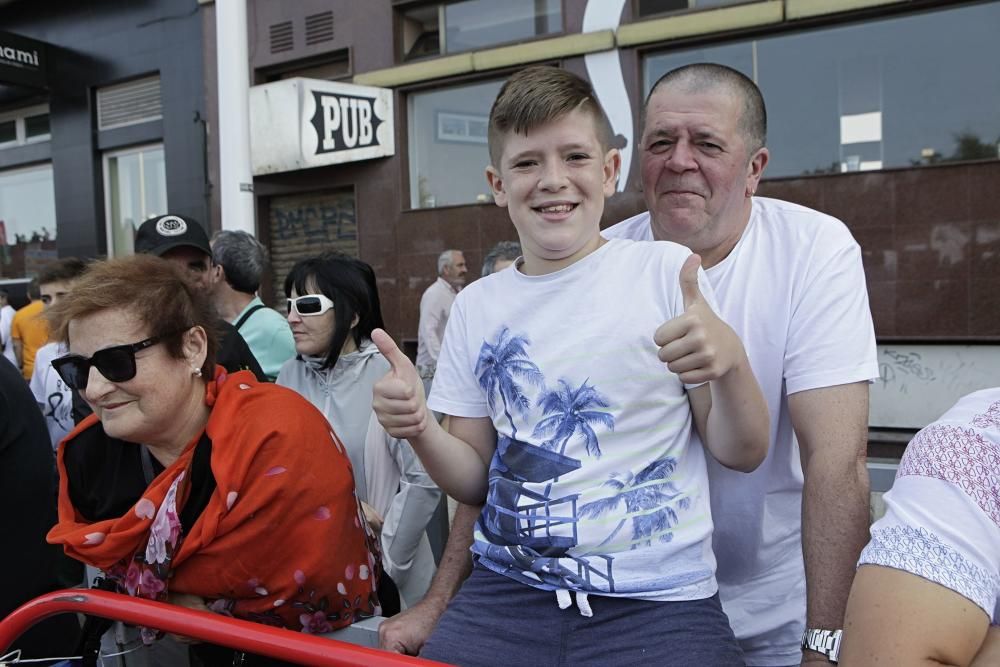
point(334, 66)
point(876, 95)
point(128, 103)
point(24, 126)
point(27, 220)
point(135, 189)
point(448, 150)
point(652, 7)
point(476, 24)
point(36, 127)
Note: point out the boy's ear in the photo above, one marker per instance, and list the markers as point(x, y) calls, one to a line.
point(612, 167)
point(495, 180)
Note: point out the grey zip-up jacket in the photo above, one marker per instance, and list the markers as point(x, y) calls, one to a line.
point(387, 474)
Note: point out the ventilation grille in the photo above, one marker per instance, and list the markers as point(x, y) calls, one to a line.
point(319, 28)
point(281, 37)
point(128, 103)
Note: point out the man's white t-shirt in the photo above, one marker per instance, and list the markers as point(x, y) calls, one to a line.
point(942, 520)
point(595, 486)
point(51, 393)
point(794, 291)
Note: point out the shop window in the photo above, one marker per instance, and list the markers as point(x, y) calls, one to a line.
point(27, 220)
point(135, 189)
point(8, 131)
point(448, 145)
point(877, 95)
point(36, 127)
point(24, 126)
point(437, 29)
point(652, 7)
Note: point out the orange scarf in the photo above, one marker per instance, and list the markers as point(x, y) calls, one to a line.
point(282, 541)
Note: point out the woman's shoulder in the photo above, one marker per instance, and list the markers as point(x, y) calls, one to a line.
point(243, 402)
point(242, 386)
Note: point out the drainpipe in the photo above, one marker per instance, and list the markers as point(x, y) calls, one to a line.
point(235, 177)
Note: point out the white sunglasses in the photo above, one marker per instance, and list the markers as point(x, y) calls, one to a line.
point(308, 305)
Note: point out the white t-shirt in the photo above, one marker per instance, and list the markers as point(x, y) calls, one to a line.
point(51, 393)
point(6, 343)
point(942, 519)
point(794, 291)
point(595, 485)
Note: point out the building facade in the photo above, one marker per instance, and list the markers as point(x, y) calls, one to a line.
point(883, 113)
point(110, 131)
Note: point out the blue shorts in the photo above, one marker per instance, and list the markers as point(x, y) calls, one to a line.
point(495, 620)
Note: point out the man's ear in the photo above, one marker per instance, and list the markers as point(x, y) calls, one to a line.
point(496, 182)
point(755, 170)
point(218, 273)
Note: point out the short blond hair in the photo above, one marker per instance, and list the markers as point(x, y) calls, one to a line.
point(539, 95)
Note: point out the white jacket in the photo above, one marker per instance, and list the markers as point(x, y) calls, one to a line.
point(387, 474)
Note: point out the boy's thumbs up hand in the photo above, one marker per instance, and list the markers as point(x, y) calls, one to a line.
point(398, 398)
point(697, 345)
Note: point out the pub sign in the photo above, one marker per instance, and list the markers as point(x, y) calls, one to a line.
point(300, 123)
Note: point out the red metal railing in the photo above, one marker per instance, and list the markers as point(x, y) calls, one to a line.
point(222, 630)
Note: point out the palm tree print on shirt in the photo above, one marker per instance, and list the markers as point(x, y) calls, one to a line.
point(649, 490)
point(568, 411)
point(500, 366)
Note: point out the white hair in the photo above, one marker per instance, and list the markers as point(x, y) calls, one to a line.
point(445, 260)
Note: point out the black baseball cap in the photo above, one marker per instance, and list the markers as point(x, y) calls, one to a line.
point(156, 236)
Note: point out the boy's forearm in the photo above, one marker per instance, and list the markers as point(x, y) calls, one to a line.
point(738, 423)
point(452, 463)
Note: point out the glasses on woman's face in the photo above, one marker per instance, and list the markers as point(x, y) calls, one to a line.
point(308, 305)
point(116, 364)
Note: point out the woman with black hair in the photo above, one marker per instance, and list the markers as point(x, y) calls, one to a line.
point(333, 306)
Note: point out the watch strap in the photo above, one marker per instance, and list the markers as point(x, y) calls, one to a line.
point(826, 642)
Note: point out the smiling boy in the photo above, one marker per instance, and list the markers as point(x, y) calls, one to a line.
point(566, 422)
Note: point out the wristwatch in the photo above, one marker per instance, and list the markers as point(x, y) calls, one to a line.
point(826, 642)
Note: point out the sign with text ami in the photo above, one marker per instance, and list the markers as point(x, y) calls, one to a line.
point(300, 123)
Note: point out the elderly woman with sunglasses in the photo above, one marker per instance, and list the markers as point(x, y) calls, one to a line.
point(333, 306)
point(192, 485)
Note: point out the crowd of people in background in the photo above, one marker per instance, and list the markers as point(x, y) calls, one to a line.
point(656, 433)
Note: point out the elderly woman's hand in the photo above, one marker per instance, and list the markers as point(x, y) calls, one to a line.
point(189, 602)
point(373, 518)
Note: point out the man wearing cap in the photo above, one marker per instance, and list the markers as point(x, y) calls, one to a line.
point(182, 240)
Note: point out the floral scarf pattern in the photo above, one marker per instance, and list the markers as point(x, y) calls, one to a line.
point(282, 541)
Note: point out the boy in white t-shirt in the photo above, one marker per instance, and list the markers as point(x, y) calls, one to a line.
point(566, 422)
point(53, 396)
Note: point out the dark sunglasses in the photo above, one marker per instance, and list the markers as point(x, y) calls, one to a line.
point(117, 363)
point(310, 304)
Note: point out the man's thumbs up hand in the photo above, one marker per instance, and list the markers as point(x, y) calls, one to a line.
point(398, 398)
point(689, 282)
point(697, 345)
